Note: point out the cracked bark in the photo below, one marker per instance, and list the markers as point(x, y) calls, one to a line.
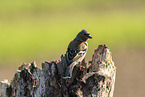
point(97, 80)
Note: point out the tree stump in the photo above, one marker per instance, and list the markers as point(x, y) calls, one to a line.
point(97, 78)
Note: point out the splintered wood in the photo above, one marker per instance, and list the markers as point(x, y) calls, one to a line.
point(97, 80)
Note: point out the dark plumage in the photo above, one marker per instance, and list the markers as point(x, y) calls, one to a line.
point(76, 51)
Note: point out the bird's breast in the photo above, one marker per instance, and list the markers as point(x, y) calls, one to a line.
point(83, 46)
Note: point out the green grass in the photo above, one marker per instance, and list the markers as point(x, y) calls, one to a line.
point(34, 29)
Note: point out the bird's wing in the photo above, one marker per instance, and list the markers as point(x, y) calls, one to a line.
point(78, 58)
point(71, 53)
point(81, 54)
point(75, 55)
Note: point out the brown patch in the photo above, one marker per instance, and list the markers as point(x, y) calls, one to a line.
point(83, 37)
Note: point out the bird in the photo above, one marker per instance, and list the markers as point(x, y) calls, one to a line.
point(76, 51)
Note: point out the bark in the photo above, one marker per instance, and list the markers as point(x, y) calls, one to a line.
point(97, 78)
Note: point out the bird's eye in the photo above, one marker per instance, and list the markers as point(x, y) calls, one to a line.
point(86, 34)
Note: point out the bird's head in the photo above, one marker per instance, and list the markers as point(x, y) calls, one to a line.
point(83, 36)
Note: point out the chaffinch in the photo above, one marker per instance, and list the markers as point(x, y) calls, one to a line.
point(76, 51)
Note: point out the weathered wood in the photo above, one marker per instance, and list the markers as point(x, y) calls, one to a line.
point(97, 80)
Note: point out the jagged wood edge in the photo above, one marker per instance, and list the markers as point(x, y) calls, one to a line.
point(39, 82)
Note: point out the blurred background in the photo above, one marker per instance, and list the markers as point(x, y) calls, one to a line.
point(40, 30)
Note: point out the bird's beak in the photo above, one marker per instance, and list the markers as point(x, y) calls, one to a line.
point(89, 36)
